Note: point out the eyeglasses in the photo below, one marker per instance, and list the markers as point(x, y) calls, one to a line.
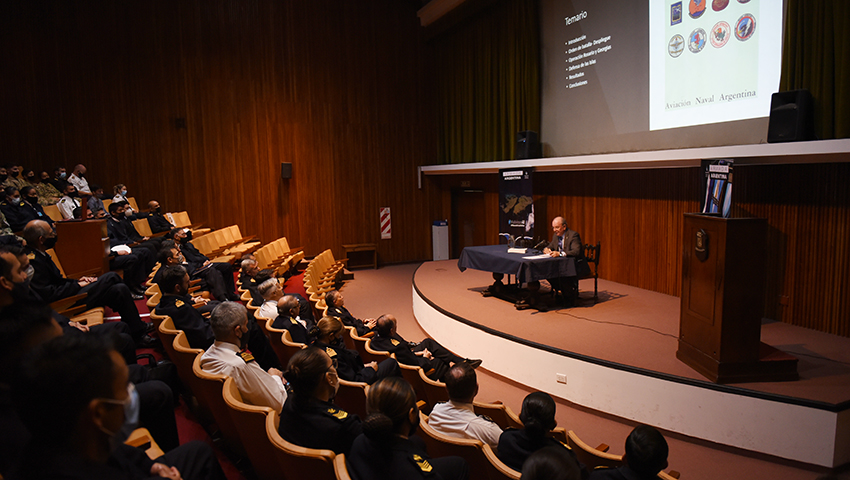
point(114, 401)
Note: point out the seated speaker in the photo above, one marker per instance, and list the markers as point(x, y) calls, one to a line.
point(791, 117)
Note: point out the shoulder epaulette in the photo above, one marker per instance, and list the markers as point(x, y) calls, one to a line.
point(179, 303)
point(337, 413)
point(394, 342)
point(330, 351)
point(245, 355)
point(423, 464)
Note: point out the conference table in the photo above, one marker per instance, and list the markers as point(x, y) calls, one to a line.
point(527, 268)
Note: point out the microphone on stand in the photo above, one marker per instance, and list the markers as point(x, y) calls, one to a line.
point(540, 245)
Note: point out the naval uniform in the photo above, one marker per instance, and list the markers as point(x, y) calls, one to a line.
point(459, 420)
point(401, 458)
point(348, 319)
point(218, 276)
point(297, 328)
point(515, 446)
point(257, 386)
point(67, 205)
point(435, 368)
point(318, 424)
point(350, 366)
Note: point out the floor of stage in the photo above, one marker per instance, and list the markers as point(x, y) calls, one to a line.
point(634, 327)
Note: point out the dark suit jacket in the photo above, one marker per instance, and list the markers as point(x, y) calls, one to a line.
point(296, 330)
point(187, 318)
point(572, 244)
point(47, 280)
point(121, 232)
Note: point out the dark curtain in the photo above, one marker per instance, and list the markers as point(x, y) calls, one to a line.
point(488, 82)
point(816, 57)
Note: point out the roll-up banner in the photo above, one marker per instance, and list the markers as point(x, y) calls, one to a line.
point(717, 193)
point(516, 205)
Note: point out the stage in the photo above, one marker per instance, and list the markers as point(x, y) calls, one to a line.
point(626, 342)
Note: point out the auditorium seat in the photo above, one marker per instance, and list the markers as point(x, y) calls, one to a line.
point(141, 437)
point(351, 397)
point(208, 390)
point(143, 227)
point(442, 445)
point(435, 390)
point(340, 468)
point(498, 469)
point(592, 457)
point(250, 423)
point(370, 354)
point(411, 374)
point(591, 254)
point(501, 414)
point(53, 212)
point(315, 464)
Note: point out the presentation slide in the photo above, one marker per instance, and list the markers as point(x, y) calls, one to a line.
point(657, 74)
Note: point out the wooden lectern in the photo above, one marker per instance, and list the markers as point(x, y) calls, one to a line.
point(723, 268)
point(83, 247)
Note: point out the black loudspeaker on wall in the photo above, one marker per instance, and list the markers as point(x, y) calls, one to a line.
point(791, 117)
point(527, 145)
point(285, 171)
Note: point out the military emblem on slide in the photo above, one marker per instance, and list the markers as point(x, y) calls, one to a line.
point(696, 40)
point(676, 13)
point(745, 27)
point(676, 46)
point(720, 34)
point(696, 8)
point(718, 5)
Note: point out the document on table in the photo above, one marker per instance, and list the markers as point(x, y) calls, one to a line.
point(536, 257)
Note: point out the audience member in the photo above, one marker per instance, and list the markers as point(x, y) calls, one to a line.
point(386, 449)
point(538, 419)
point(347, 362)
point(48, 194)
point(122, 232)
point(14, 178)
point(69, 202)
point(457, 416)
point(336, 308)
point(78, 179)
point(12, 207)
point(177, 304)
point(100, 407)
point(158, 222)
point(646, 455)
point(59, 180)
point(550, 463)
point(228, 356)
point(95, 202)
point(288, 319)
point(32, 209)
point(428, 354)
point(272, 291)
point(567, 243)
point(107, 290)
point(217, 276)
point(120, 191)
point(309, 418)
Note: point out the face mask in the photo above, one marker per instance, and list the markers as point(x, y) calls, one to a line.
point(131, 417)
point(16, 200)
point(50, 242)
point(158, 210)
point(21, 290)
point(123, 193)
point(81, 175)
point(338, 342)
point(62, 175)
point(31, 179)
point(33, 200)
point(74, 194)
point(3, 177)
point(14, 174)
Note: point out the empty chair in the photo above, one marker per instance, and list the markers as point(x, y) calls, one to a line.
point(250, 422)
point(207, 388)
point(351, 397)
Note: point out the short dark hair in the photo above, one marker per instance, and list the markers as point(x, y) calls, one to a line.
point(113, 207)
point(171, 277)
point(646, 450)
point(22, 322)
point(551, 463)
point(27, 189)
point(6, 267)
point(461, 382)
point(305, 371)
point(173, 231)
point(330, 298)
point(163, 255)
point(8, 191)
point(73, 368)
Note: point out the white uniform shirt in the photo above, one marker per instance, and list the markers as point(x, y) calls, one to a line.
point(256, 385)
point(459, 420)
point(67, 205)
point(268, 310)
point(81, 183)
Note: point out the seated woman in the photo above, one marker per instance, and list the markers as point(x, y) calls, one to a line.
point(386, 449)
point(308, 418)
point(349, 365)
point(538, 418)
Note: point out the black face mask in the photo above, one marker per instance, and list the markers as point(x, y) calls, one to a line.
point(21, 291)
point(81, 175)
point(157, 210)
point(32, 200)
point(337, 342)
point(50, 242)
point(3, 177)
point(14, 174)
point(74, 194)
point(31, 179)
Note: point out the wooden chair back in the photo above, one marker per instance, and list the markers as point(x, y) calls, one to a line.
point(250, 421)
point(183, 356)
point(592, 457)
point(143, 227)
point(141, 437)
point(501, 414)
point(591, 254)
point(497, 469)
point(208, 388)
point(55, 258)
point(411, 374)
point(351, 397)
point(434, 390)
point(157, 319)
point(442, 445)
point(132, 202)
point(368, 354)
point(293, 458)
point(53, 212)
point(340, 468)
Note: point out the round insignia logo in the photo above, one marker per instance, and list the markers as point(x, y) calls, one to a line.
point(745, 27)
point(696, 8)
point(676, 46)
point(696, 41)
point(720, 34)
point(718, 5)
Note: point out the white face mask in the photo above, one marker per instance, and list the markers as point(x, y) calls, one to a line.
point(132, 406)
